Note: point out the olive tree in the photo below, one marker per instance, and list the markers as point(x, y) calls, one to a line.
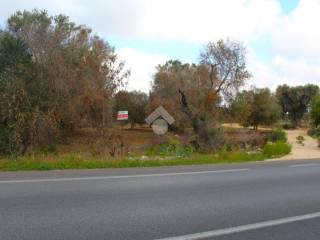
point(315, 111)
point(256, 107)
point(197, 90)
point(54, 76)
point(135, 103)
point(295, 101)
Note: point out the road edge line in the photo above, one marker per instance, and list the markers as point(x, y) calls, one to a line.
point(120, 176)
point(244, 228)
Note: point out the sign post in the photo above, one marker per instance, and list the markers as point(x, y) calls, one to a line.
point(122, 116)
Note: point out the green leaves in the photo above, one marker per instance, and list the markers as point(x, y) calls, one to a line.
point(315, 111)
point(295, 101)
point(53, 73)
point(276, 149)
point(256, 107)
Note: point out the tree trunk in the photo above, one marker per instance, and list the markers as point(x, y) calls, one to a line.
point(199, 125)
point(103, 112)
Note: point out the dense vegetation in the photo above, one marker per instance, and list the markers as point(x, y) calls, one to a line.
point(256, 107)
point(197, 90)
point(295, 101)
point(54, 76)
point(135, 103)
point(315, 118)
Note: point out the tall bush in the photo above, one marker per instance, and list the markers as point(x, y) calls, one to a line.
point(315, 111)
point(54, 76)
point(277, 135)
point(276, 149)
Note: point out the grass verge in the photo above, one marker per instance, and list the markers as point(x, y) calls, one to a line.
point(77, 161)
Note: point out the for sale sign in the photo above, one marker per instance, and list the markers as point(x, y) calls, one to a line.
point(122, 115)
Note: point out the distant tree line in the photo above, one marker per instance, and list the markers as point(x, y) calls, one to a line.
point(255, 107)
point(296, 101)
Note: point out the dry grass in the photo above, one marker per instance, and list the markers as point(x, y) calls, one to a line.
point(90, 142)
point(90, 148)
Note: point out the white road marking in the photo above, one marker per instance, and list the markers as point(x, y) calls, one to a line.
point(244, 228)
point(121, 177)
point(306, 165)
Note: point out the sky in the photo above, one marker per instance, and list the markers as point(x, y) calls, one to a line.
point(282, 37)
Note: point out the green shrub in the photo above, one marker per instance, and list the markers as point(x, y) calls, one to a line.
point(173, 148)
point(312, 131)
point(288, 126)
point(185, 151)
point(229, 146)
point(300, 139)
point(316, 134)
point(315, 111)
point(4, 139)
point(277, 135)
point(276, 149)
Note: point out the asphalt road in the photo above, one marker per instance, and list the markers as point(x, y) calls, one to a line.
point(271, 200)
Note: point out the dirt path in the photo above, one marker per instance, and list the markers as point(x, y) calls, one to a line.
point(309, 150)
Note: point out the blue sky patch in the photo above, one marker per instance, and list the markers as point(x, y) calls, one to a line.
point(288, 6)
point(187, 52)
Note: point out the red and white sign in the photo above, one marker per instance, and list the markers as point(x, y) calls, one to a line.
point(122, 115)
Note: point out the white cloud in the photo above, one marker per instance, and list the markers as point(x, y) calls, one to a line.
point(264, 76)
point(206, 20)
point(186, 20)
point(297, 35)
point(297, 71)
point(294, 37)
point(295, 45)
point(283, 71)
point(142, 66)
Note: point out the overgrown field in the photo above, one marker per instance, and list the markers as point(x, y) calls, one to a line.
point(89, 151)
